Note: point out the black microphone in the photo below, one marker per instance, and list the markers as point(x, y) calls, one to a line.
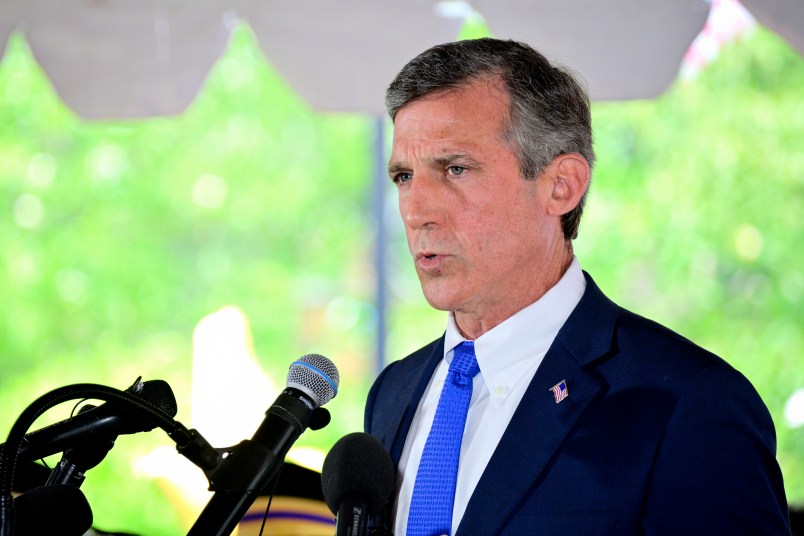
point(99, 425)
point(76, 461)
point(357, 479)
point(60, 509)
point(142, 408)
point(238, 480)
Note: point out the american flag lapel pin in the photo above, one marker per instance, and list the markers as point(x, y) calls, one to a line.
point(560, 391)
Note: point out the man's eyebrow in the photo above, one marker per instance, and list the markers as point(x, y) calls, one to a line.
point(394, 167)
point(441, 161)
point(450, 159)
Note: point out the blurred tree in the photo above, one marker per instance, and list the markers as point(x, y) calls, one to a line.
point(120, 236)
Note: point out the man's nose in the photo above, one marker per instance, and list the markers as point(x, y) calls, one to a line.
point(421, 205)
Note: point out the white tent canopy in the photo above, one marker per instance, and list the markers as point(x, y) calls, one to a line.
point(145, 58)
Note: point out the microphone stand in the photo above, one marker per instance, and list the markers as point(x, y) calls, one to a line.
point(250, 466)
point(238, 483)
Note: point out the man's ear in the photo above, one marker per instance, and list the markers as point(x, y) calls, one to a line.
point(570, 179)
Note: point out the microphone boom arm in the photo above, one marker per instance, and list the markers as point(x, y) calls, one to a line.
point(189, 442)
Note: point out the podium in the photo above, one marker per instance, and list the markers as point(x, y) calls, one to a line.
point(297, 508)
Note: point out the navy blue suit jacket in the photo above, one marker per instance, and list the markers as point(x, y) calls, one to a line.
point(657, 436)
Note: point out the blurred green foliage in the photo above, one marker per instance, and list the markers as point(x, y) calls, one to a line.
point(118, 237)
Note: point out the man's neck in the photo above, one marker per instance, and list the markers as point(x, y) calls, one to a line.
point(473, 324)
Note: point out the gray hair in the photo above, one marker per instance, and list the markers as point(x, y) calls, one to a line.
point(549, 112)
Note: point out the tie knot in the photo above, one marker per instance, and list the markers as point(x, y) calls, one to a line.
point(464, 361)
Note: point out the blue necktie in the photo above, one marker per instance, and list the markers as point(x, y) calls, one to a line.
point(434, 490)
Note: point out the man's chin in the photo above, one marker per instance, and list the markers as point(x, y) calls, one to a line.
point(440, 300)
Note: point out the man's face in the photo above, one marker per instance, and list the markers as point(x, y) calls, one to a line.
point(479, 233)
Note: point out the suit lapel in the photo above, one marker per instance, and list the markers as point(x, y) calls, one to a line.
point(408, 397)
point(540, 425)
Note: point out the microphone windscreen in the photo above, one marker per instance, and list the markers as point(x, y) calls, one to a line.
point(159, 393)
point(58, 509)
point(358, 464)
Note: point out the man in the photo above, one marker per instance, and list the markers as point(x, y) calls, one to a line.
point(584, 418)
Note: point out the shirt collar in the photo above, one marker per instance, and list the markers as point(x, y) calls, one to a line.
point(507, 351)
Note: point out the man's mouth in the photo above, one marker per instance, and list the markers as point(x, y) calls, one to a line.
point(426, 255)
point(427, 260)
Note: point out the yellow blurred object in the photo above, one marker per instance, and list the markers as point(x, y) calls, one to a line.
point(230, 390)
point(288, 516)
point(230, 394)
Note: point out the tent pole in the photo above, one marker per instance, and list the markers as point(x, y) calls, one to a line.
point(380, 241)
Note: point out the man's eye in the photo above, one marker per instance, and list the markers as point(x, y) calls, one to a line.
point(456, 170)
point(400, 178)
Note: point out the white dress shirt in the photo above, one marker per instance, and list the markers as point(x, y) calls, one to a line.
point(508, 356)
